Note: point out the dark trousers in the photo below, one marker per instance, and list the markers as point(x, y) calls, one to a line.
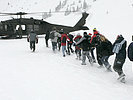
point(32, 45)
point(92, 53)
point(54, 45)
point(104, 60)
point(118, 64)
point(99, 57)
point(46, 40)
point(59, 45)
point(69, 48)
point(78, 52)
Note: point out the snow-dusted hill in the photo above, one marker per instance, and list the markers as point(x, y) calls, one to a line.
point(112, 18)
point(45, 75)
point(25, 75)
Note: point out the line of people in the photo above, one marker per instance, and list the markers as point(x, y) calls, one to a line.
point(85, 46)
point(60, 39)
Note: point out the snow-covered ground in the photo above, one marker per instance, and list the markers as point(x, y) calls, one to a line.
point(44, 75)
point(40, 75)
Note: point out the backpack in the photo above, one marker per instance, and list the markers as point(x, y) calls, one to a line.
point(51, 36)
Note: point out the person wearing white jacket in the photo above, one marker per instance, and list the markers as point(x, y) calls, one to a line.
point(54, 38)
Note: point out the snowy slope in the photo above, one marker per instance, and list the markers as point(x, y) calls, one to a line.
point(43, 75)
point(112, 18)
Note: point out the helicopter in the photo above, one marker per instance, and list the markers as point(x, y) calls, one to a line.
point(18, 27)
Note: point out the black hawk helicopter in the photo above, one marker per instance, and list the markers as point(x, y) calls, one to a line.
point(13, 27)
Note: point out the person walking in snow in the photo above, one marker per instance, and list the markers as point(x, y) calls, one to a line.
point(85, 45)
point(105, 50)
point(69, 44)
point(95, 43)
point(77, 47)
point(59, 40)
point(54, 36)
point(92, 51)
point(119, 48)
point(33, 39)
point(47, 38)
point(130, 51)
point(64, 39)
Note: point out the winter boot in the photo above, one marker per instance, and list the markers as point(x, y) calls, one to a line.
point(83, 63)
point(68, 53)
point(109, 68)
point(100, 66)
point(31, 47)
point(79, 57)
point(121, 76)
point(90, 60)
point(123, 80)
point(94, 61)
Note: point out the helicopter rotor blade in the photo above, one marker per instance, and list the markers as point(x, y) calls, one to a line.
point(32, 13)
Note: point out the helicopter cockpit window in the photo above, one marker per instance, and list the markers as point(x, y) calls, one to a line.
point(22, 26)
point(5, 27)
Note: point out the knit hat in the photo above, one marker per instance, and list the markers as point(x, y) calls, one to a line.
point(85, 33)
point(94, 29)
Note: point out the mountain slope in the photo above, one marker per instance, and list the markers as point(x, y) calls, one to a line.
point(43, 75)
point(112, 18)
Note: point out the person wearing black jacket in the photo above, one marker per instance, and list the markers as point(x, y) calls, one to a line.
point(95, 42)
point(59, 40)
point(120, 57)
point(47, 38)
point(69, 44)
point(105, 50)
point(84, 43)
point(130, 51)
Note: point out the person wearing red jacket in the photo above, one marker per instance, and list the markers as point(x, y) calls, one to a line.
point(64, 38)
point(77, 47)
point(95, 32)
point(95, 43)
